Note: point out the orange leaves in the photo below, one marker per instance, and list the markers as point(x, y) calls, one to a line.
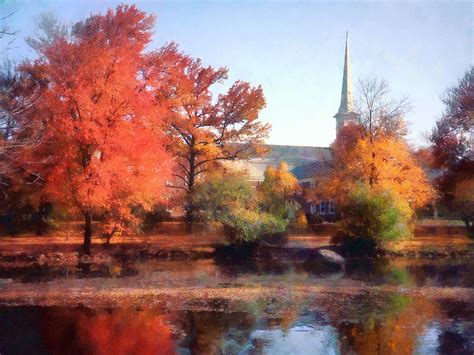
point(204, 129)
point(111, 115)
point(105, 146)
point(385, 163)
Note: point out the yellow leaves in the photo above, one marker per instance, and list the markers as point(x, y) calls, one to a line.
point(280, 181)
point(277, 189)
point(385, 163)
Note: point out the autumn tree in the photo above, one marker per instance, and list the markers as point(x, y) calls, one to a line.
point(277, 190)
point(374, 176)
point(206, 129)
point(16, 97)
point(378, 114)
point(387, 164)
point(373, 150)
point(97, 118)
point(451, 145)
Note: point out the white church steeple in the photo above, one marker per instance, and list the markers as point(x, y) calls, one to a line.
point(346, 109)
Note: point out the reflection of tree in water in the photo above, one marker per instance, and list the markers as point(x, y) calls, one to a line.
point(217, 332)
point(377, 271)
point(229, 332)
point(384, 325)
point(121, 331)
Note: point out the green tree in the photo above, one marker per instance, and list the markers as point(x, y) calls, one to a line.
point(222, 193)
point(373, 219)
point(230, 199)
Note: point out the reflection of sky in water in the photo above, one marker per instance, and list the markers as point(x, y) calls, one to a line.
point(428, 342)
point(302, 339)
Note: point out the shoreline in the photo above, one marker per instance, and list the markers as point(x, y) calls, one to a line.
point(21, 295)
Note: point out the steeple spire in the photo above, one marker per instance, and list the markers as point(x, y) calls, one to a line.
point(346, 93)
point(346, 108)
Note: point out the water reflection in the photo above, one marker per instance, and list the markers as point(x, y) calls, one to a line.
point(362, 324)
point(302, 265)
point(83, 331)
point(393, 326)
point(368, 323)
point(297, 340)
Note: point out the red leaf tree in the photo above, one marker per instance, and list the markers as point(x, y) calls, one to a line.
point(451, 145)
point(206, 129)
point(104, 147)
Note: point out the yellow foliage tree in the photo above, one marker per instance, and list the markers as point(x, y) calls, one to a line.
point(384, 164)
point(277, 189)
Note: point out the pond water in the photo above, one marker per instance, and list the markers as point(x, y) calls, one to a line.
point(398, 310)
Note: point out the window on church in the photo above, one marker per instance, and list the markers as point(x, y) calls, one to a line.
point(314, 208)
point(323, 207)
point(332, 207)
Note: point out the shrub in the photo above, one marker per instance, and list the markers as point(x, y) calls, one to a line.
point(231, 200)
point(249, 226)
point(300, 223)
point(149, 219)
point(372, 219)
point(220, 194)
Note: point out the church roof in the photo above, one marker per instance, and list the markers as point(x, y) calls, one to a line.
point(293, 154)
point(310, 170)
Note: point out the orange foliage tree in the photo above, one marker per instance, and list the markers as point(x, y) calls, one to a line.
point(276, 191)
point(386, 164)
point(373, 150)
point(98, 120)
point(205, 129)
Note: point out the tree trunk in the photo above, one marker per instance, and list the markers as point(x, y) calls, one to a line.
point(190, 206)
point(87, 233)
point(189, 218)
point(108, 236)
point(190, 209)
point(372, 170)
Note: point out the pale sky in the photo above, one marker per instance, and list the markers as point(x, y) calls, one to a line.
point(295, 50)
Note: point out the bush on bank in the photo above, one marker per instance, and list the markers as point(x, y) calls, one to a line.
point(231, 200)
point(372, 220)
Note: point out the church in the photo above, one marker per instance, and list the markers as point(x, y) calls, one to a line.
point(307, 163)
